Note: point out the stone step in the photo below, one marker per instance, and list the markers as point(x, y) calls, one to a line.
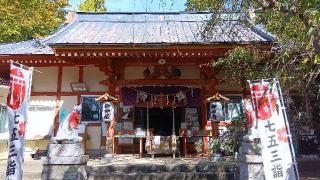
point(141, 168)
point(203, 166)
point(205, 170)
point(162, 176)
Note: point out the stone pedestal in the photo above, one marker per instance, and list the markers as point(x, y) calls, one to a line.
point(65, 161)
point(251, 167)
point(251, 163)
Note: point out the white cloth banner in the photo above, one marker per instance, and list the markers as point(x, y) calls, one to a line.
point(17, 103)
point(277, 150)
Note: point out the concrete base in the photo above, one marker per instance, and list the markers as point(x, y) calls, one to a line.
point(65, 161)
point(74, 172)
point(250, 159)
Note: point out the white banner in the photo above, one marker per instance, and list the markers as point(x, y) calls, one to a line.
point(17, 103)
point(277, 150)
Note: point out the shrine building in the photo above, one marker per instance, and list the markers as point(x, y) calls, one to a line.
point(157, 65)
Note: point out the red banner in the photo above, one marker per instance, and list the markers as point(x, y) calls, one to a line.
point(17, 102)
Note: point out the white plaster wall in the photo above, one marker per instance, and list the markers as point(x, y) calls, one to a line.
point(46, 81)
point(43, 98)
point(3, 94)
point(189, 72)
point(69, 102)
point(92, 76)
point(69, 74)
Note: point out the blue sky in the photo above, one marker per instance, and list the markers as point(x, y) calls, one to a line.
point(139, 5)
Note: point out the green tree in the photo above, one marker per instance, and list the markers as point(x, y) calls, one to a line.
point(295, 56)
point(28, 19)
point(92, 6)
point(295, 25)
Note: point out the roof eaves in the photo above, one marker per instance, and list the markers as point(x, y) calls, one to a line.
point(263, 34)
point(259, 31)
point(155, 13)
point(161, 44)
point(29, 47)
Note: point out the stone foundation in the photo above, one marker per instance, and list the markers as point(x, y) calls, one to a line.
point(65, 161)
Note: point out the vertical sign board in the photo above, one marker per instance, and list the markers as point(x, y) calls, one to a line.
point(17, 102)
point(107, 111)
point(277, 150)
point(216, 111)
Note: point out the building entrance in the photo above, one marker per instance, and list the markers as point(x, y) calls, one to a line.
point(160, 119)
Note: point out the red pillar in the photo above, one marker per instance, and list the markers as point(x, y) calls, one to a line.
point(58, 98)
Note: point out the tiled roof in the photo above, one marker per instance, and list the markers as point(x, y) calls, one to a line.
point(25, 47)
point(155, 28)
point(143, 28)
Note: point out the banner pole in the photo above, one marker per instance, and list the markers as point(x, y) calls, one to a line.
point(273, 128)
point(283, 108)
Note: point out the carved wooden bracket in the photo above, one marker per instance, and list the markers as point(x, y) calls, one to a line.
point(162, 72)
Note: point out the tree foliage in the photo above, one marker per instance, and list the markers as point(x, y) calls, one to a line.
point(93, 6)
point(28, 19)
point(295, 55)
point(295, 25)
